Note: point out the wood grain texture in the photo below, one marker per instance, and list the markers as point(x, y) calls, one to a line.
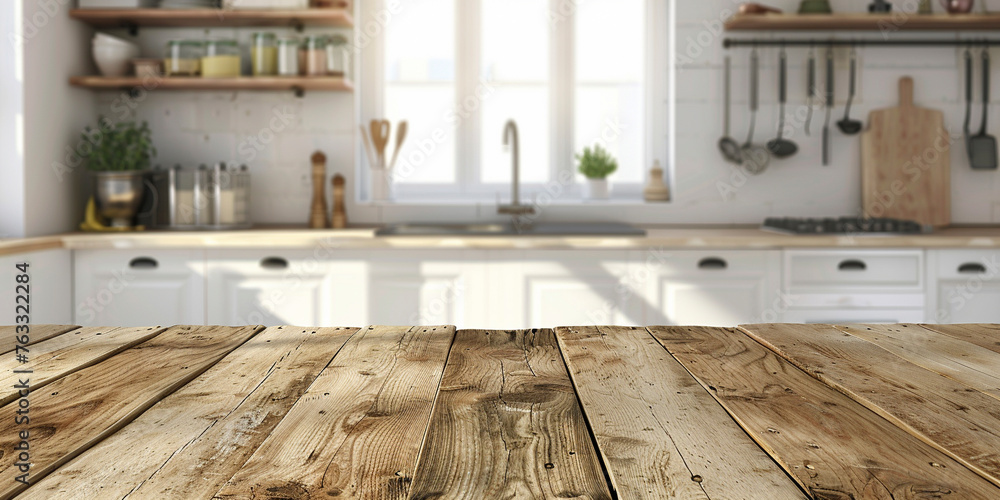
point(507, 424)
point(61, 355)
point(660, 434)
point(965, 362)
point(356, 432)
point(948, 415)
point(191, 442)
point(985, 336)
point(905, 162)
point(835, 448)
point(36, 334)
point(77, 411)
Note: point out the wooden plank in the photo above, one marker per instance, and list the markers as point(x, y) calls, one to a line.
point(186, 18)
point(192, 441)
point(79, 410)
point(956, 359)
point(861, 22)
point(52, 359)
point(36, 334)
point(943, 413)
point(985, 336)
point(315, 83)
point(356, 431)
point(660, 434)
point(507, 424)
point(835, 448)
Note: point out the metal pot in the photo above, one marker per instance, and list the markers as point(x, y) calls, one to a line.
point(118, 196)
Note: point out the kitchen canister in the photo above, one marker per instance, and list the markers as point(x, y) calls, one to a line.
point(288, 56)
point(264, 54)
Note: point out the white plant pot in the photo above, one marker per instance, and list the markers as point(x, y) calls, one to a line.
point(597, 189)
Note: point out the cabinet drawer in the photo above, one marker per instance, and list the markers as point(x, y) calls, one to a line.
point(708, 263)
point(863, 270)
point(966, 264)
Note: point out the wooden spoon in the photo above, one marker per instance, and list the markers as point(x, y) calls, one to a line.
point(380, 137)
point(400, 137)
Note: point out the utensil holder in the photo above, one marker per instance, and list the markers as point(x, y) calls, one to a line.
point(381, 184)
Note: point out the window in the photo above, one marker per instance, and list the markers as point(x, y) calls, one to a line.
point(570, 73)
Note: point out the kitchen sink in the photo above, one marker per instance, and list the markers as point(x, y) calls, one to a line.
point(509, 229)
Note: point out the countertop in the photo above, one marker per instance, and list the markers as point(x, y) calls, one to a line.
point(763, 411)
point(679, 237)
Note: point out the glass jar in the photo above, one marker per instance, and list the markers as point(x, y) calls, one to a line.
point(264, 54)
point(336, 56)
point(312, 56)
point(221, 59)
point(288, 56)
point(182, 58)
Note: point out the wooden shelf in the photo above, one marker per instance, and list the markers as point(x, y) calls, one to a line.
point(863, 22)
point(132, 18)
point(298, 84)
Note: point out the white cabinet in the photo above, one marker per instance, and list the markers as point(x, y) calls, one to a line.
point(346, 288)
point(711, 288)
point(851, 286)
point(283, 287)
point(549, 288)
point(49, 288)
point(966, 286)
point(138, 287)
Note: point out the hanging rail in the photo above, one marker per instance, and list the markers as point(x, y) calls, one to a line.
point(757, 42)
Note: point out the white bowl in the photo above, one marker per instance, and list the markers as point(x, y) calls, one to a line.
point(105, 39)
point(114, 60)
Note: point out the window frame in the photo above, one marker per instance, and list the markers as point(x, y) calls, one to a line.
point(467, 187)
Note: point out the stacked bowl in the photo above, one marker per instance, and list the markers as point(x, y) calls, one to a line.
point(112, 54)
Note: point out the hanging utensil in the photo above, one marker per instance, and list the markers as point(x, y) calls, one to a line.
point(401, 130)
point(781, 147)
point(727, 145)
point(982, 146)
point(755, 158)
point(966, 132)
point(847, 125)
point(380, 138)
point(829, 105)
point(811, 89)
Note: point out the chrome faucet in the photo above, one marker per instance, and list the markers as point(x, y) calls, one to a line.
point(515, 208)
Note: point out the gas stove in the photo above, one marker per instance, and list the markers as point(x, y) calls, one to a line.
point(842, 225)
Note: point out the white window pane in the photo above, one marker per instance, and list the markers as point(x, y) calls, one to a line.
point(610, 40)
point(528, 105)
point(515, 40)
point(428, 155)
point(612, 115)
point(420, 42)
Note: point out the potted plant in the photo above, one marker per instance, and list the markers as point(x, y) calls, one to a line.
point(118, 155)
point(596, 165)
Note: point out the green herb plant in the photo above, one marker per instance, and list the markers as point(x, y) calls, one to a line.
point(117, 147)
point(596, 163)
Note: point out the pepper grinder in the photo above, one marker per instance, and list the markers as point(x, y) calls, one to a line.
point(656, 189)
point(339, 209)
point(318, 215)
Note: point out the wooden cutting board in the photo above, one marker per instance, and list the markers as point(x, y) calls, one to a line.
point(905, 162)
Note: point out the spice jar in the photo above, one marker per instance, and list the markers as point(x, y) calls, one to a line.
point(221, 59)
point(336, 56)
point(288, 56)
point(182, 58)
point(264, 54)
point(312, 56)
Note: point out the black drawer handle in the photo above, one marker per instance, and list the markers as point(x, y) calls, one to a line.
point(852, 265)
point(972, 268)
point(276, 263)
point(143, 263)
point(712, 263)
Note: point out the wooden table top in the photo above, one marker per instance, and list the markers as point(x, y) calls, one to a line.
point(759, 412)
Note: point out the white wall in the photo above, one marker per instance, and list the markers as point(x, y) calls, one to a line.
point(11, 113)
point(56, 48)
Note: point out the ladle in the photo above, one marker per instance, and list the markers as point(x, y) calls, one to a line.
point(727, 145)
point(781, 147)
point(755, 157)
point(847, 125)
